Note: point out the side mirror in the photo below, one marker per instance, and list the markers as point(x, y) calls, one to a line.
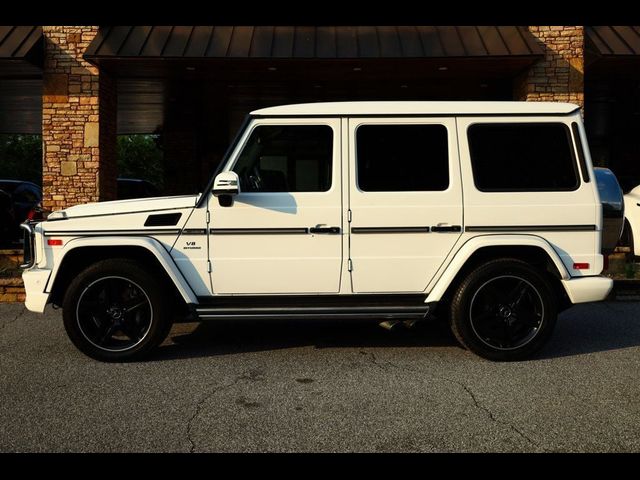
point(225, 185)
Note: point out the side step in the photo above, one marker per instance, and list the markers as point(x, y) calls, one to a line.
point(300, 307)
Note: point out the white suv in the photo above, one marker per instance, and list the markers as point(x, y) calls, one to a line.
point(486, 213)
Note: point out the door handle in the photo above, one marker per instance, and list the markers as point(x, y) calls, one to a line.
point(446, 228)
point(324, 230)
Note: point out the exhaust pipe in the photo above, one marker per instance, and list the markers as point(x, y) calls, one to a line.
point(390, 325)
point(395, 325)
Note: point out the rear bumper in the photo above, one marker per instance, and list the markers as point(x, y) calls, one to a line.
point(588, 289)
point(35, 281)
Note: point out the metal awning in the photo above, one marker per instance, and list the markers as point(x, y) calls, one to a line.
point(311, 42)
point(21, 60)
point(280, 64)
point(613, 49)
point(21, 51)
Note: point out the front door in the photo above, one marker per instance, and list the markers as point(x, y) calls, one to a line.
point(405, 197)
point(283, 233)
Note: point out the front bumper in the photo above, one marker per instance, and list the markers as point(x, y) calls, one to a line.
point(588, 289)
point(35, 281)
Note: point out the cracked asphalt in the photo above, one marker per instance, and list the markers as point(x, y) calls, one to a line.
point(322, 386)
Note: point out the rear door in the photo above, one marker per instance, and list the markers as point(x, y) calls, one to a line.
point(405, 201)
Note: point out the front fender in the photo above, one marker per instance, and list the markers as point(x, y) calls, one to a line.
point(148, 243)
point(441, 282)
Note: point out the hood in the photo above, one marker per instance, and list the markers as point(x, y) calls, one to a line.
point(135, 205)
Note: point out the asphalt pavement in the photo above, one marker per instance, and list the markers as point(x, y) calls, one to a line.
point(322, 386)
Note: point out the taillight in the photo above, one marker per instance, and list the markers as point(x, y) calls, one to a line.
point(31, 214)
point(54, 242)
point(581, 266)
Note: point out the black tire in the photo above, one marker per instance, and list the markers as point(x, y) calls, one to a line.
point(141, 305)
point(486, 320)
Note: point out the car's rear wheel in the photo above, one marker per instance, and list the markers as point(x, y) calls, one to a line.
point(503, 310)
point(115, 310)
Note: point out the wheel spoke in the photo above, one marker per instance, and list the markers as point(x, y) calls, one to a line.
point(129, 329)
point(106, 334)
point(517, 294)
point(134, 303)
point(99, 318)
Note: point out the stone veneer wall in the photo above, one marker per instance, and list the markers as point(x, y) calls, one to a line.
point(78, 122)
point(559, 76)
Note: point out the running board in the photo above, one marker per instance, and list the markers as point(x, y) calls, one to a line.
point(317, 307)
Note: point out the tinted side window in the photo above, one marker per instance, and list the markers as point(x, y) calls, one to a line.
point(402, 158)
point(286, 158)
point(522, 157)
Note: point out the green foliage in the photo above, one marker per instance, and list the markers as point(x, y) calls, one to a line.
point(21, 157)
point(630, 270)
point(140, 157)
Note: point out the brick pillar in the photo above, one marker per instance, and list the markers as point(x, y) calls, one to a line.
point(559, 76)
point(78, 122)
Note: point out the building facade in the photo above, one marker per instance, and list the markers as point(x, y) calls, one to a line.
point(192, 86)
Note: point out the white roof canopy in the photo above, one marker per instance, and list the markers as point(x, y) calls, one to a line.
point(418, 108)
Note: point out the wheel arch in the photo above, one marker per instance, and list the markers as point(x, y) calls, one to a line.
point(478, 250)
point(79, 253)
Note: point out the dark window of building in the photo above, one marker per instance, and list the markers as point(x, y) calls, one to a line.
point(392, 158)
point(286, 158)
point(522, 157)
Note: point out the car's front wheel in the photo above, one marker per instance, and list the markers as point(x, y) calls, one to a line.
point(504, 310)
point(116, 310)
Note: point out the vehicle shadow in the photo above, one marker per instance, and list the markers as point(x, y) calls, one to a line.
point(594, 328)
point(232, 337)
point(585, 329)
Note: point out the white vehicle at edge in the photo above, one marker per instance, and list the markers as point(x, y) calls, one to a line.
point(631, 235)
point(486, 212)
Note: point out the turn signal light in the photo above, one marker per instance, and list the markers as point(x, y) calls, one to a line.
point(54, 242)
point(580, 266)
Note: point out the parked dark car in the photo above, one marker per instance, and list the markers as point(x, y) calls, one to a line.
point(18, 201)
point(136, 188)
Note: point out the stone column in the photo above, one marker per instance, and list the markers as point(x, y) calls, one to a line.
point(78, 122)
point(559, 76)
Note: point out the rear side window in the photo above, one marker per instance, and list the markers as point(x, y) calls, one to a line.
point(401, 158)
point(522, 157)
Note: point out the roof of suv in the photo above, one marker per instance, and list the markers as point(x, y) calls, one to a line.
point(418, 108)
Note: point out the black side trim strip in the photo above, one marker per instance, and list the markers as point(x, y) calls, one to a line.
point(532, 228)
point(390, 229)
point(166, 231)
point(309, 316)
point(194, 231)
point(447, 228)
point(163, 220)
point(259, 231)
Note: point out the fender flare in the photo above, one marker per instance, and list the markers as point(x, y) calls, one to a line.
point(439, 286)
point(148, 243)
